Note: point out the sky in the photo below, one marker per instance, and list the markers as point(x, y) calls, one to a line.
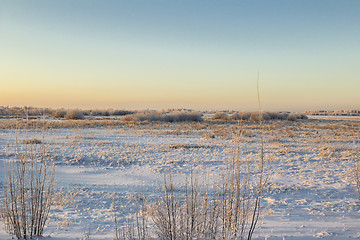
point(199, 54)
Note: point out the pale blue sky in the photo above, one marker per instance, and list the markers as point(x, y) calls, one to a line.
point(183, 53)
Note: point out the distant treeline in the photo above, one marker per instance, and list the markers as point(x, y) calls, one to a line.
point(334, 112)
point(170, 115)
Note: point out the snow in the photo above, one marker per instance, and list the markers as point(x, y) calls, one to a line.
point(310, 195)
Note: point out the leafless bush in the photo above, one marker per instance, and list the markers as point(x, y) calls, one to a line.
point(59, 113)
point(296, 116)
point(165, 117)
point(28, 192)
point(235, 116)
point(244, 115)
point(74, 114)
point(277, 115)
point(99, 112)
point(184, 213)
point(121, 112)
point(259, 116)
point(241, 195)
point(184, 117)
point(292, 117)
point(220, 116)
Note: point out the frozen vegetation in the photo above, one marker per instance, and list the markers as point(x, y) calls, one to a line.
point(110, 173)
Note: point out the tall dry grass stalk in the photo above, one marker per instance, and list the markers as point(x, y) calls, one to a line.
point(357, 177)
point(356, 171)
point(135, 226)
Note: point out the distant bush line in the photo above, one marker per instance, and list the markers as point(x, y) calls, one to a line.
point(171, 115)
point(255, 116)
point(32, 112)
point(166, 117)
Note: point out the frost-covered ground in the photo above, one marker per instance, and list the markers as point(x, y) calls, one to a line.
point(100, 171)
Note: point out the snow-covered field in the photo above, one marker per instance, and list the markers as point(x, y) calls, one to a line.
point(310, 195)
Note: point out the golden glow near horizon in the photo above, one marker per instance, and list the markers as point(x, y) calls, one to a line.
point(97, 55)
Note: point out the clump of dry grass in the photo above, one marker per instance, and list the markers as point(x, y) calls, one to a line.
point(32, 141)
point(186, 146)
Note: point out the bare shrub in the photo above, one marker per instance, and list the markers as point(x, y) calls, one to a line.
point(59, 113)
point(241, 194)
point(165, 117)
point(121, 112)
point(292, 117)
point(28, 193)
point(277, 116)
point(240, 116)
point(295, 117)
point(99, 112)
point(184, 213)
point(220, 116)
point(74, 114)
point(235, 116)
point(259, 116)
point(245, 115)
point(184, 117)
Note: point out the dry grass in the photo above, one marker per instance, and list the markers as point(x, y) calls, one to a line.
point(32, 141)
point(356, 171)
